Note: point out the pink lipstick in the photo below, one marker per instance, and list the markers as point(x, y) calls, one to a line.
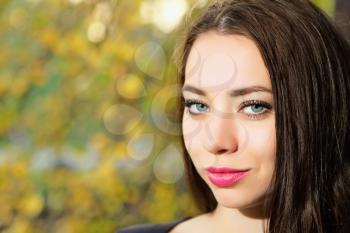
point(224, 176)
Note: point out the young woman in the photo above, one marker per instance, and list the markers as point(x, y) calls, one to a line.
point(265, 110)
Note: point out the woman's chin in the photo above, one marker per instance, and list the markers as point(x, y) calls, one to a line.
point(230, 198)
point(236, 199)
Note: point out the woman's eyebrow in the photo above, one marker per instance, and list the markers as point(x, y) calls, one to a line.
point(232, 93)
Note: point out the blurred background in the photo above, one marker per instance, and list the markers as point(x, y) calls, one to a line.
point(88, 138)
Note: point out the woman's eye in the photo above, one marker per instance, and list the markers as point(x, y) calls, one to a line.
point(196, 107)
point(256, 108)
point(252, 108)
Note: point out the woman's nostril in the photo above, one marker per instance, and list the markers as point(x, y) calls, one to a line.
point(222, 151)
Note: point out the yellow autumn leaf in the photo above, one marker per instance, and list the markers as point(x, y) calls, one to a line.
point(49, 37)
point(31, 205)
point(130, 87)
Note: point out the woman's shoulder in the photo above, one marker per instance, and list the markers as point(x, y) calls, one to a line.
point(152, 228)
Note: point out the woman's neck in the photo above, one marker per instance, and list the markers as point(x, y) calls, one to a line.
point(228, 220)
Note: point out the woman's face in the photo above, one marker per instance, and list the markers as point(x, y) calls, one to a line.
point(229, 118)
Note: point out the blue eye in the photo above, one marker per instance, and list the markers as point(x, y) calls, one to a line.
point(252, 108)
point(195, 107)
point(255, 108)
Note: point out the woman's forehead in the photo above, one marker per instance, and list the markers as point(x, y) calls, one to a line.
point(219, 61)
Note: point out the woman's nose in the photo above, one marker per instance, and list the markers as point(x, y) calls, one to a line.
point(221, 134)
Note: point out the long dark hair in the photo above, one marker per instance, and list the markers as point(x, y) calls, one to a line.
point(309, 66)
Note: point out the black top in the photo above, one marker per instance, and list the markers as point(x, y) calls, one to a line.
point(152, 228)
point(165, 228)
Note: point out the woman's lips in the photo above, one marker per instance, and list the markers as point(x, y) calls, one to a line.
point(224, 176)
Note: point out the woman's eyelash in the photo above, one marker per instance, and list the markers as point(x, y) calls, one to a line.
point(188, 103)
point(267, 107)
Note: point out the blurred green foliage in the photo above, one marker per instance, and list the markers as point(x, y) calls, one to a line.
point(83, 106)
point(327, 5)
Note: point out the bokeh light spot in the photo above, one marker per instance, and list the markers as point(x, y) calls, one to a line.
point(140, 147)
point(96, 32)
point(168, 167)
point(120, 119)
point(131, 87)
point(164, 14)
point(150, 59)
